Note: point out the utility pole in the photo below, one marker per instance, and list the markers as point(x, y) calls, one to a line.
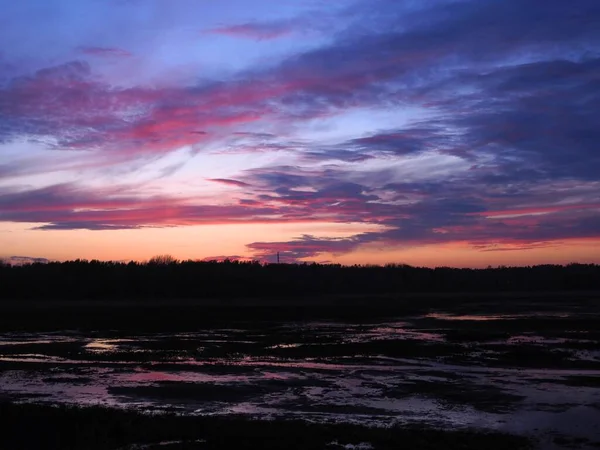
point(277, 257)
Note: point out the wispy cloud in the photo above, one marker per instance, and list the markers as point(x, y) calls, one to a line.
point(229, 182)
point(256, 31)
point(109, 52)
point(20, 260)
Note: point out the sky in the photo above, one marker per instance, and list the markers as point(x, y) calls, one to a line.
point(426, 132)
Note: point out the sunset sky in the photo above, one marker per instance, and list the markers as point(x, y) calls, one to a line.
point(427, 132)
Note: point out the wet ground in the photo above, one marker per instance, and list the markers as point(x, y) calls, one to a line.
point(529, 369)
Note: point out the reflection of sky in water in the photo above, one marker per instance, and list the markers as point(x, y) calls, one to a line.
point(478, 317)
point(488, 317)
point(354, 388)
point(105, 345)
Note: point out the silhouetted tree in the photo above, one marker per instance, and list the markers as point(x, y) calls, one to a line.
point(165, 277)
point(162, 260)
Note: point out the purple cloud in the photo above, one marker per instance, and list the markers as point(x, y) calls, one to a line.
point(105, 52)
point(21, 260)
point(304, 247)
point(229, 182)
point(256, 31)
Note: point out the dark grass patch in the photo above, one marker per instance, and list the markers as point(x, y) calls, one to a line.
point(536, 356)
point(478, 335)
point(282, 383)
point(480, 397)
point(521, 325)
point(69, 428)
point(573, 380)
point(594, 405)
point(579, 345)
point(16, 397)
point(174, 445)
point(31, 366)
point(69, 380)
point(128, 356)
point(308, 406)
point(555, 407)
point(183, 392)
point(194, 315)
point(584, 334)
point(447, 375)
point(183, 316)
point(572, 442)
point(399, 348)
point(307, 349)
point(153, 344)
point(222, 366)
point(582, 381)
point(519, 356)
point(194, 392)
point(61, 349)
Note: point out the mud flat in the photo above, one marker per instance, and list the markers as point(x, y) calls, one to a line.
point(518, 368)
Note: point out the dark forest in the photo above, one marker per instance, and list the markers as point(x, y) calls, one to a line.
point(166, 278)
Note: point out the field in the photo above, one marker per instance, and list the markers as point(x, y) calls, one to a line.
point(306, 373)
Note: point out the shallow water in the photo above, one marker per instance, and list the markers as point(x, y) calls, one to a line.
point(382, 373)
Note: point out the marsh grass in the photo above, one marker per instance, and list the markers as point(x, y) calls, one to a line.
point(66, 428)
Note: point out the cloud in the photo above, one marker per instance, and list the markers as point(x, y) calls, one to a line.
point(221, 258)
point(432, 212)
point(67, 206)
point(549, 124)
point(369, 66)
point(390, 143)
point(256, 31)
point(86, 225)
point(503, 153)
point(538, 210)
point(67, 107)
point(105, 52)
point(304, 247)
point(229, 182)
point(21, 260)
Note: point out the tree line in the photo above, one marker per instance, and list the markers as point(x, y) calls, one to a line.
point(164, 277)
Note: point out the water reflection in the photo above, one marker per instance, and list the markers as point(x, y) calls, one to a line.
point(380, 373)
point(103, 345)
point(477, 318)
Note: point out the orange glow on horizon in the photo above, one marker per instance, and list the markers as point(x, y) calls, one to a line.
point(199, 242)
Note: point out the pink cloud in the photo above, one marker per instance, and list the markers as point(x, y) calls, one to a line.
point(221, 258)
point(537, 210)
point(68, 104)
point(69, 207)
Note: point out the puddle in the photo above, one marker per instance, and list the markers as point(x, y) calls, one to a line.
point(476, 318)
point(285, 346)
point(105, 345)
